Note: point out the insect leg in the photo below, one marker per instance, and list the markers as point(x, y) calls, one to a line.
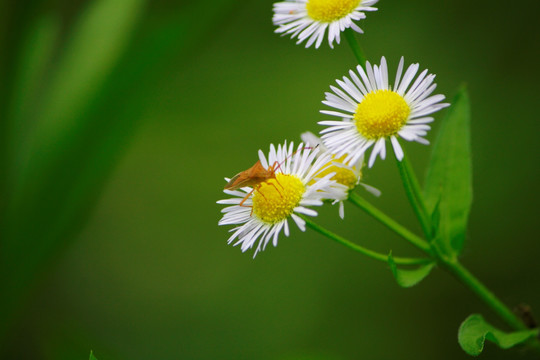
point(245, 198)
point(256, 187)
point(274, 185)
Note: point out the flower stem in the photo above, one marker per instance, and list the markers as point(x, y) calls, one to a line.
point(390, 223)
point(469, 280)
point(454, 267)
point(355, 47)
point(412, 189)
point(369, 253)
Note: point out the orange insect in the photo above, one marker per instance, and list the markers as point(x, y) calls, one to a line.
point(254, 176)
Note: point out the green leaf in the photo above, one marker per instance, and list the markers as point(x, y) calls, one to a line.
point(409, 278)
point(92, 357)
point(474, 331)
point(448, 185)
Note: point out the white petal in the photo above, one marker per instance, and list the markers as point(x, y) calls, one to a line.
point(305, 211)
point(299, 222)
point(398, 74)
point(341, 210)
point(397, 148)
point(374, 191)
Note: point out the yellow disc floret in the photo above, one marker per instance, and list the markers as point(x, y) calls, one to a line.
point(344, 174)
point(382, 113)
point(276, 199)
point(330, 10)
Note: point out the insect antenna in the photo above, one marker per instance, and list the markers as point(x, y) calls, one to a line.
point(273, 168)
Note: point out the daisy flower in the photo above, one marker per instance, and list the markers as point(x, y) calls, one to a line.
point(309, 19)
point(372, 111)
point(349, 176)
point(261, 215)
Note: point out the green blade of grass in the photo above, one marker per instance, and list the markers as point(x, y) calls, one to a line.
point(60, 188)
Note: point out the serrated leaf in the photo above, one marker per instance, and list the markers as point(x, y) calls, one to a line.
point(448, 185)
point(474, 331)
point(92, 357)
point(409, 278)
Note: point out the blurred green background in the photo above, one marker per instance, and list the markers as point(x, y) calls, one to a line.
point(119, 121)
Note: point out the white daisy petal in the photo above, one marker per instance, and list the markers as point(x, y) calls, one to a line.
point(350, 95)
point(383, 148)
point(305, 211)
point(278, 228)
point(407, 78)
point(301, 223)
point(424, 120)
point(398, 73)
point(374, 191)
point(262, 158)
point(371, 75)
point(422, 141)
point(335, 113)
point(351, 89)
point(341, 210)
point(376, 150)
point(397, 148)
point(407, 134)
point(384, 73)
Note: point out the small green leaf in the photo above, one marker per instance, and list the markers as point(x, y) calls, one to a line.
point(92, 357)
point(409, 278)
point(448, 184)
point(474, 331)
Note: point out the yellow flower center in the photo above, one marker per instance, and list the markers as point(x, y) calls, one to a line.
point(382, 113)
point(344, 175)
point(275, 200)
point(330, 10)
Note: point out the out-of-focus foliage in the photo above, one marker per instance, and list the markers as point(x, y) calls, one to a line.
point(74, 90)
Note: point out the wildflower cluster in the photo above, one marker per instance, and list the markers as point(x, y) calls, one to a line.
point(371, 111)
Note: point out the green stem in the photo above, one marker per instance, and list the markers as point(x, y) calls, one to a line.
point(412, 189)
point(369, 253)
point(469, 280)
point(355, 47)
point(390, 223)
point(489, 298)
